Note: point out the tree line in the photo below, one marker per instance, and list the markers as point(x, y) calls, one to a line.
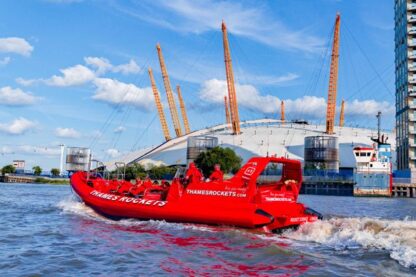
point(37, 170)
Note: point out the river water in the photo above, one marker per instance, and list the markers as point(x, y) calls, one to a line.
point(45, 231)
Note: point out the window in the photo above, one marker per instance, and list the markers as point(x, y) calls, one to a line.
point(271, 174)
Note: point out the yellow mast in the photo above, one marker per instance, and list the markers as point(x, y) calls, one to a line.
point(169, 93)
point(341, 114)
point(183, 110)
point(227, 111)
point(333, 79)
point(159, 106)
point(232, 97)
point(282, 111)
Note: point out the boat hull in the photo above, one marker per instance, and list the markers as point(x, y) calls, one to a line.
point(231, 202)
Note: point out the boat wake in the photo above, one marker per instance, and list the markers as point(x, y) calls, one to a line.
point(71, 205)
point(398, 237)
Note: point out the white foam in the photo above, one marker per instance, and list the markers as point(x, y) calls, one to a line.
point(71, 205)
point(398, 237)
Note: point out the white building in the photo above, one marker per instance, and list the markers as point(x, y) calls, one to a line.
point(258, 138)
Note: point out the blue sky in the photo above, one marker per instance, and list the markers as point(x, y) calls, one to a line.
point(75, 72)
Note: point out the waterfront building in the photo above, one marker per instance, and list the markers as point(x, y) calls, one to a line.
point(405, 71)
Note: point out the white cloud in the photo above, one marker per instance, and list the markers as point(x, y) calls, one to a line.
point(6, 150)
point(31, 150)
point(15, 45)
point(113, 153)
point(103, 65)
point(128, 68)
point(72, 76)
point(79, 74)
point(119, 129)
point(67, 133)
point(273, 80)
point(16, 97)
point(38, 150)
point(5, 61)
point(18, 126)
point(253, 21)
point(214, 90)
point(115, 92)
point(26, 82)
point(368, 108)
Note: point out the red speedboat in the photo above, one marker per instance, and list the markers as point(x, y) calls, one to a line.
point(261, 195)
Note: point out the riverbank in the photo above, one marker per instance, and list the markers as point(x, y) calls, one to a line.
point(9, 178)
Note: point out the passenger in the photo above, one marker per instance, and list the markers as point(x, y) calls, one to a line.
point(136, 190)
point(139, 181)
point(165, 184)
point(193, 174)
point(147, 183)
point(124, 188)
point(114, 186)
point(217, 174)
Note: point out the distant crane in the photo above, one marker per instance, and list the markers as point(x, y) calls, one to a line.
point(183, 110)
point(333, 79)
point(341, 114)
point(227, 111)
point(169, 93)
point(159, 107)
point(282, 111)
point(232, 97)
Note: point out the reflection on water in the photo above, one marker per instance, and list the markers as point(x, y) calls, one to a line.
point(45, 231)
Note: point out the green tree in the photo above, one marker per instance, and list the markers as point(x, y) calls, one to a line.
point(8, 169)
point(55, 172)
point(225, 157)
point(37, 170)
point(133, 171)
point(161, 172)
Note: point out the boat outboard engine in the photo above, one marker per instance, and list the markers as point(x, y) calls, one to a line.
point(313, 212)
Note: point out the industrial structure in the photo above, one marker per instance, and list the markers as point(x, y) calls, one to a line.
point(260, 137)
point(405, 56)
point(159, 107)
point(341, 114)
point(227, 111)
point(169, 93)
point(183, 110)
point(327, 152)
point(265, 136)
point(232, 96)
point(333, 80)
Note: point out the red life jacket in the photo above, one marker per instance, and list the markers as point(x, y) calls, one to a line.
point(216, 175)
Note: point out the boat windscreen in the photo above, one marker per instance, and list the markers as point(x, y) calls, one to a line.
point(272, 173)
point(180, 172)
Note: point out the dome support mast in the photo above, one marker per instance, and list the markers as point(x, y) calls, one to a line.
point(159, 107)
point(333, 79)
point(232, 97)
point(341, 114)
point(169, 93)
point(183, 110)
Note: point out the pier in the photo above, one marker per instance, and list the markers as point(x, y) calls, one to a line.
point(404, 190)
